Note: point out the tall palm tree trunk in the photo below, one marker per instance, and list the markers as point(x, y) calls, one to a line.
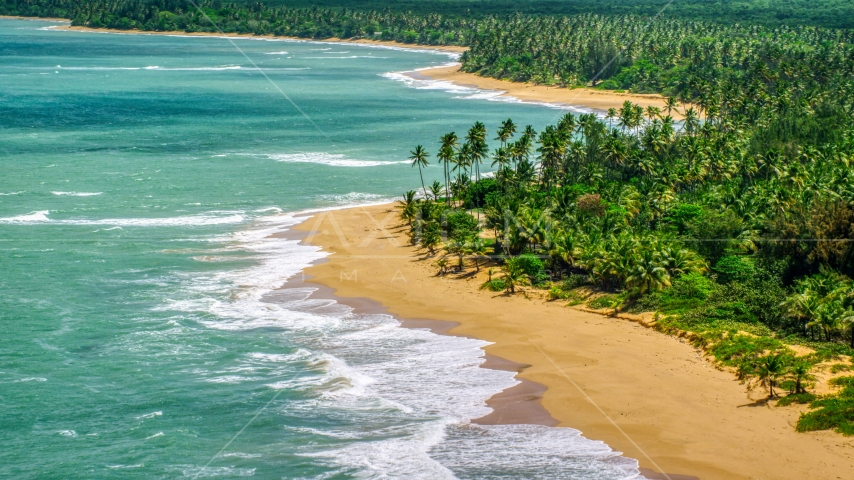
point(420, 174)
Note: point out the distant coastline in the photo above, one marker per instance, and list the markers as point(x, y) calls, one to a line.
point(600, 100)
point(363, 41)
point(46, 19)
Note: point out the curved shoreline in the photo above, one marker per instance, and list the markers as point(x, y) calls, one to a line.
point(643, 393)
point(600, 100)
point(519, 404)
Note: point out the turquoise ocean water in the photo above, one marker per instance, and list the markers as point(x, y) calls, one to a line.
point(140, 180)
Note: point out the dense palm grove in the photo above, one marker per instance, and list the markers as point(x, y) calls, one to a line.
point(249, 18)
point(824, 13)
point(740, 233)
point(695, 60)
point(735, 224)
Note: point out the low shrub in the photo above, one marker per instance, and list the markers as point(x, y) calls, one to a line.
point(574, 280)
point(533, 267)
point(688, 292)
point(495, 285)
point(832, 411)
point(734, 268)
point(557, 293)
point(800, 398)
point(604, 301)
point(841, 367)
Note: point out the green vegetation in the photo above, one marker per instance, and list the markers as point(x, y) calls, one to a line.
point(700, 62)
point(824, 13)
point(738, 235)
point(827, 13)
point(833, 411)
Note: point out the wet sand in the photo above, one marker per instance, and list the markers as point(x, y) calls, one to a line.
point(519, 404)
point(644, 393)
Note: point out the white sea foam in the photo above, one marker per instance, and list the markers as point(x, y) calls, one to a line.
point(189, 220)
point(159, 68)
point(77, 194)
point(269, 209)
point(11, 193)
point(354, 199)
point(240, 455)
point(150, 415)
point(419, 390)
point(330, 159)
point(211, 218)
point(67, 433)
point(32, 217)
point(95, 69)
point(158, 434)
point(348, 56)
point(194, 69)
point(226, 472)
point(472, 93)
point(214, 258)
point(275, 53)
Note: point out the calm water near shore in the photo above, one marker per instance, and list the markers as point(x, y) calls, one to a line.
point(142, 177)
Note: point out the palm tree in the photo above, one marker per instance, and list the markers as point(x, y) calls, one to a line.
point(625, 115)
point(611, 115)
point(442, 263)
point(670, 105)
point(514, 275)
point(407, 206)
point(431, 236)
point(457, 248)
point(477, 248)
point(800, 374)
point(691, 120)
point(847, 321)
point(652, 113)
point(770, 369)
point(476, 139)
point(446, 157)
point(419, 159)
point(436, 190)
point(508, 128)
point(646, 272)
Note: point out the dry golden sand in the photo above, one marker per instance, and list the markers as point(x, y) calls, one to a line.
point(645, 394)
point(581, 97)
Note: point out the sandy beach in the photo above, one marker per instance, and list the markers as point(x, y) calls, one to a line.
point(646, 394)
point(600, 100)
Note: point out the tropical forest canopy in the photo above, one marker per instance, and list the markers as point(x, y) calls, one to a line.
point(825, 13)
point(820, 13)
